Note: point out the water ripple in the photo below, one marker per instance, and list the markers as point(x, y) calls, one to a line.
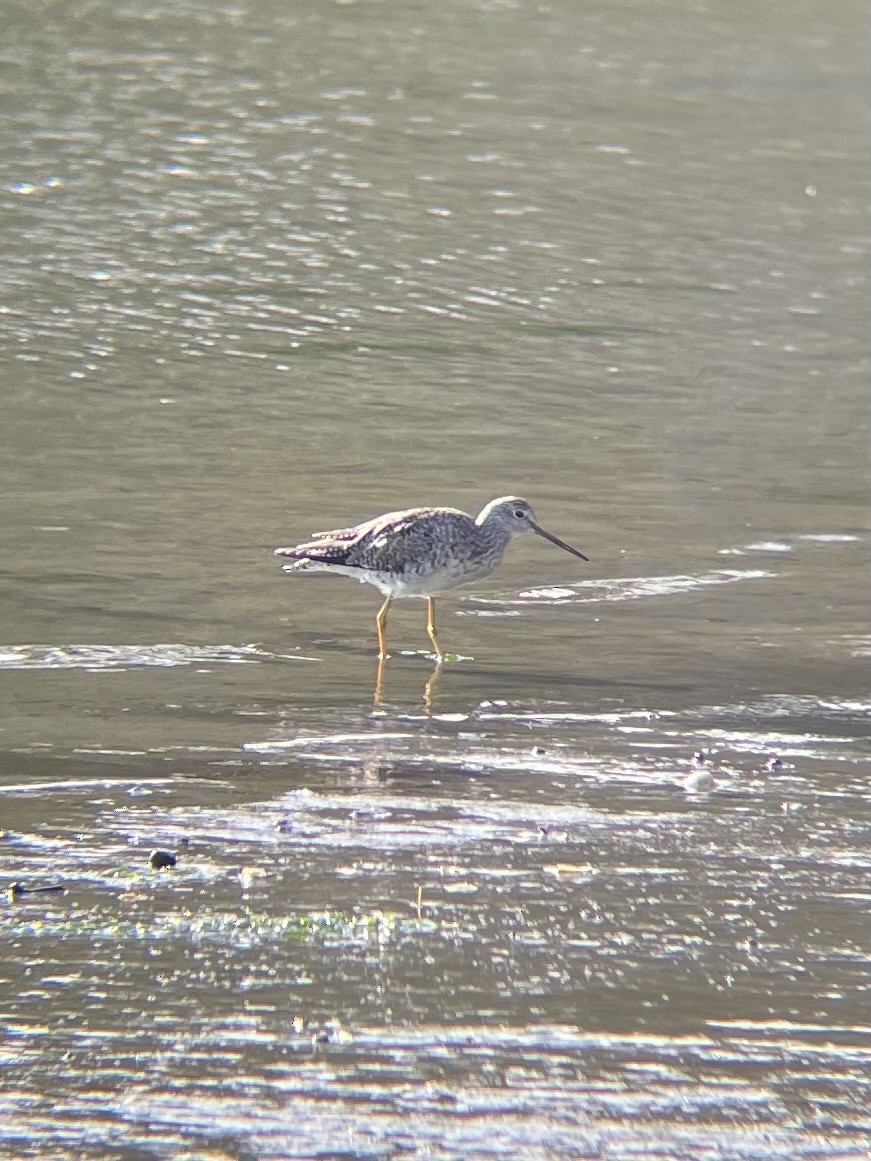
point(108, 657)
point(624, 588)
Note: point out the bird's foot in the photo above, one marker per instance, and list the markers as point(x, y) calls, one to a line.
point(437, 658)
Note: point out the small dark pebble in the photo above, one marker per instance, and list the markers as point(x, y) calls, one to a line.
point(160, 860)
point(331, 1031)
point(539, 751)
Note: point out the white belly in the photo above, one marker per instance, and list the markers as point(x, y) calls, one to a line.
point(409, 584)
point(415, 585)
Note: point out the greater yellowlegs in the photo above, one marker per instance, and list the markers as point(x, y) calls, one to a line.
point(421, 552)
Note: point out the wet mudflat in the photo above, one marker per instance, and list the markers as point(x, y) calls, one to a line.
point(440, 930)
point(273, 270)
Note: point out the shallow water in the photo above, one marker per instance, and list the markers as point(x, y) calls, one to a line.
point(273, 269)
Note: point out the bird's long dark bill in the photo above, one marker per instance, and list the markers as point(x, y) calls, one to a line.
point(558, 543)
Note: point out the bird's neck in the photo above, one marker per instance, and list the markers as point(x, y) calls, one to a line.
point(493, 535)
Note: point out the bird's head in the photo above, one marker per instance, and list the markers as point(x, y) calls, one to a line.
point(514, 516)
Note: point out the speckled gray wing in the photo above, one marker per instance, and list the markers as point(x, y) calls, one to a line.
point(419, 542)
point(339, 533)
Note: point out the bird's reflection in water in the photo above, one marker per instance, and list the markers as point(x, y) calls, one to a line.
point(429, 689)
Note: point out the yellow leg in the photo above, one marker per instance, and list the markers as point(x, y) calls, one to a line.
point(381, 623)
point(431, 628)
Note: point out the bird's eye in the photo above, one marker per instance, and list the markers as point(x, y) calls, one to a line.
point(519, 513)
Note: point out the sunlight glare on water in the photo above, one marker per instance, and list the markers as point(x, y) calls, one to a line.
point(271, 269)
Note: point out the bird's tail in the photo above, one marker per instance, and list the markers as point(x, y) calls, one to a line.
point(315, 555)
point(301, 566)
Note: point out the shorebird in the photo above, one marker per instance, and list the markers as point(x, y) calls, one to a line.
point(420, 552)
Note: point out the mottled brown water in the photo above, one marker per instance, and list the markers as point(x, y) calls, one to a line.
point(273, 267)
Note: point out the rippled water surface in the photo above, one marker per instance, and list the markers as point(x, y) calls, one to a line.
point(270, 268)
